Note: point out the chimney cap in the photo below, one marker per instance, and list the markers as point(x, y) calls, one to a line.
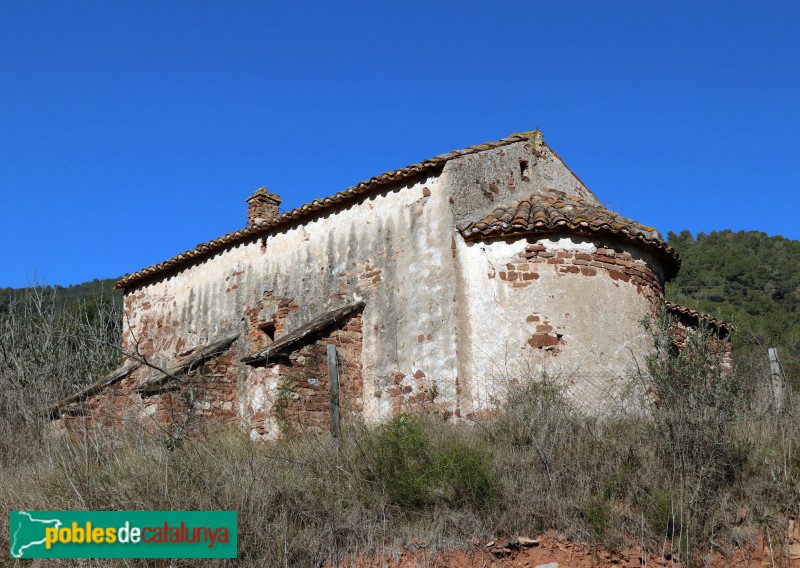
point(263, 194)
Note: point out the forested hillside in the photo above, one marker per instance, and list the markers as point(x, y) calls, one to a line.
point(73, 298)
point(748, 278)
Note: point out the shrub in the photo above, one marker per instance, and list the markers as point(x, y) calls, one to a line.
point(693, 431)
point(596, 515)
point(463, 475)
point(417, 473)
point(660, 513)
point(402, 455)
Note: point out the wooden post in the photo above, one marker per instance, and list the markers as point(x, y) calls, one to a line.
point(333, 389)
point(778, 386)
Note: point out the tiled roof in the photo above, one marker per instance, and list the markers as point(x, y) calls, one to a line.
point(311, 208)
point(554, 212)
point(696, 317)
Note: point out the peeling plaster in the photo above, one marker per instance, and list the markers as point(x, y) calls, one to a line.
point(442, 316)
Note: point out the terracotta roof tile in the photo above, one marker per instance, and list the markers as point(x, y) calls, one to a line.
point(555, 211)
point(696, 317)
point(312, 207)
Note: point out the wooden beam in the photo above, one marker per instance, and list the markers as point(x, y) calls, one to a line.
point(318, 323)
point(778, 384)
point(333, 389)
point(159, 380)
point(114, 376)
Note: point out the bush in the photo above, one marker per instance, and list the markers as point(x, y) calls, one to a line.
point(401, 453)
point(660, 513)
point(47, 351)
point(463, 476)
point(693, 433)
point(416, 473)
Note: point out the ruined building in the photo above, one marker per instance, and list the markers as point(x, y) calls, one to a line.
point(438, 284)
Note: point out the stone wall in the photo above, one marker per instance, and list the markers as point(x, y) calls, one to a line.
point(719, 344)
point(299, 379)
point(568, 307)
point(173, 407)
point(480, 182)
point(619, 264)
point(391, 250)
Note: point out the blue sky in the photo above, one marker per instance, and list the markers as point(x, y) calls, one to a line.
point(131, 131)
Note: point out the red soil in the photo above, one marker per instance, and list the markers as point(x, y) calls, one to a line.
point(554, 548)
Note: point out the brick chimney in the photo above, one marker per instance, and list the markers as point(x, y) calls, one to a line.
point(262, 206)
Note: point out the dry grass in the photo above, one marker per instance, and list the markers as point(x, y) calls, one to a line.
point(670, 479)
point(308, 500)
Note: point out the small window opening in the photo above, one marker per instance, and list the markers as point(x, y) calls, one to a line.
point(523, 169)
point(269, 330)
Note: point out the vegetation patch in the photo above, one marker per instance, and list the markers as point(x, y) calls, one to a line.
point(417, 472)
point(705, 464)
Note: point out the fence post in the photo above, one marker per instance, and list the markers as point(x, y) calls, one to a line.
point(778, 385)
point(333, 389)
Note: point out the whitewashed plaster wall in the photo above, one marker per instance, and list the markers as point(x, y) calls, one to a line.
point(404, 233)
point(597, 319)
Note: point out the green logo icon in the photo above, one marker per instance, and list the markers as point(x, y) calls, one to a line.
point(28, 532)
point(122, 534)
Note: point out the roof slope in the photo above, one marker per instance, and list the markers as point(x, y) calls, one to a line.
point(556, 212)
point(162, 378)
point(308, 209)
point(71, 403)
point(694, 318)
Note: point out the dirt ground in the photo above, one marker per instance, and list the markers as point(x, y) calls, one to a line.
point(552, 550)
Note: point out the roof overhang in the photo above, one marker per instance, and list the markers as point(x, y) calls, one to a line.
point(694, 318)
point(294, 337)
point(555, 212)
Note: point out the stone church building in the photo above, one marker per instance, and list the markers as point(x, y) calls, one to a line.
point(438, 284)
